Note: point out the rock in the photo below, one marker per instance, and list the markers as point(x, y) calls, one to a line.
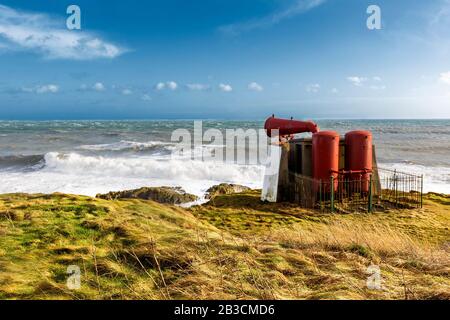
point(170, 195)
point(225, 188)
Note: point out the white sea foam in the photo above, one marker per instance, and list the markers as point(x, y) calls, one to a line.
point(126, 145)
point(88, 175)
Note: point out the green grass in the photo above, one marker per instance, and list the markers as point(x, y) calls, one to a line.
point(235, 247)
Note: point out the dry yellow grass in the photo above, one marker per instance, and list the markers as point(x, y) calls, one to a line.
point(380, 239)
point(232, 248)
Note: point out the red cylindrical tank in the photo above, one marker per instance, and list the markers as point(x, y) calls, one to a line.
point(325, 157)
point(288, 127)
point(358, 158)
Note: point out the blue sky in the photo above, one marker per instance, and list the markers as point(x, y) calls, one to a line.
point(229, 59)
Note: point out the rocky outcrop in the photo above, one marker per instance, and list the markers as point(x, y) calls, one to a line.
point(225, 188)
point(169, 195)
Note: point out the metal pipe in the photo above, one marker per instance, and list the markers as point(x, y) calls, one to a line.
point(288, 126)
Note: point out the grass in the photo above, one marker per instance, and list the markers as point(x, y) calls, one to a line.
point(235, 247)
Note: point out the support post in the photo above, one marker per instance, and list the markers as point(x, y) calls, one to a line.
point(332, 194)
point(370, 194)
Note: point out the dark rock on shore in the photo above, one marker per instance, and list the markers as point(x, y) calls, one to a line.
point(225, 188)
point(169, 195)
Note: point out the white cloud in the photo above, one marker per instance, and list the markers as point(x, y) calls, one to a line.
point(47, 88)
point(374, 83)
point(127, 92)
point(299, 7)
point(197, 87)
point(374, 87)
point(42, 34)
point(357, 81)
point(334, 90)
point(146, 97)
point(253, 86)
point(160, 86)
point(99, 87)
point(225, 87)
point(444, 77)
point(313, 88)
point(171, 85)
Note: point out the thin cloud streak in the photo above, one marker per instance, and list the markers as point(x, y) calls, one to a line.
point(300, 7)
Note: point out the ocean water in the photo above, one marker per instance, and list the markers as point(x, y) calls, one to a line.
point(90, 157)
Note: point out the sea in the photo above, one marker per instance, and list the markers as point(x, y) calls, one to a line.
point(91, 157)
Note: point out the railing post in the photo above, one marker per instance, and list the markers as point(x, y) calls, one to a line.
point(332, 193)
point(370, 194)
point(395, 188)
point(421, 191)
point(320, 194)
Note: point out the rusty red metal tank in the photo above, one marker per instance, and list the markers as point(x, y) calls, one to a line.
point(358, 158)
point(288, 126)
point(325, 158)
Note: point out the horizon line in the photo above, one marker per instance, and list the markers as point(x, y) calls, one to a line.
point(204, 119)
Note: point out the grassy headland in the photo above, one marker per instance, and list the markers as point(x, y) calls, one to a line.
point(234, 247)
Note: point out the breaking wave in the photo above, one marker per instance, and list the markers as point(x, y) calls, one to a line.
point(151, 168)
point(75, 173)
point(130, 146)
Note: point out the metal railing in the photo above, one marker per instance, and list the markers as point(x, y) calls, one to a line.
point(402, 190)
point(381, 190)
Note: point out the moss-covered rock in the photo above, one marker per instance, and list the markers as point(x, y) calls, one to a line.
point(170, 195)
point(225, 188)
